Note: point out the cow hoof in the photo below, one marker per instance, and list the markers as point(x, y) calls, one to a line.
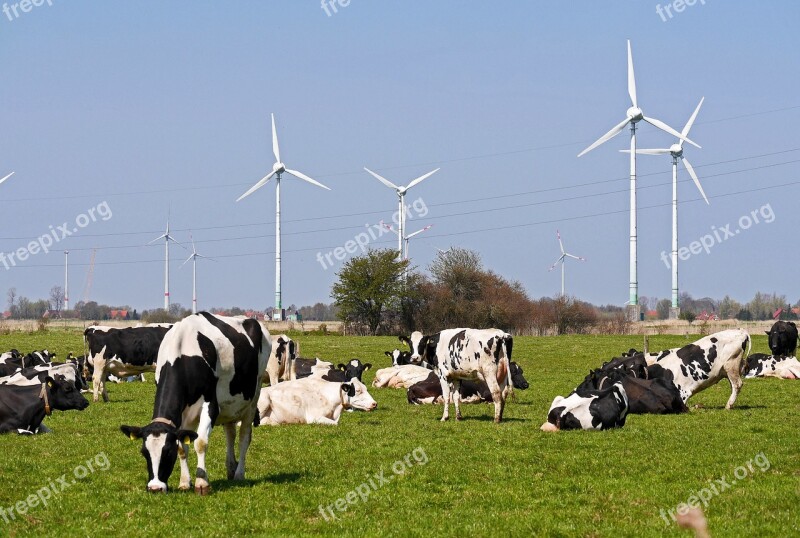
point(444, 419)
point(202, 490)
point(155, 489)
point(459, 417)
point(548, 427)
point(185, 487)
point(498, 420)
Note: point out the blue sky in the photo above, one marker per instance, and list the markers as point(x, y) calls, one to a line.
point(154, 107)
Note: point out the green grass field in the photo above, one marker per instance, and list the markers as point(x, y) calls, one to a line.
point(479, 479)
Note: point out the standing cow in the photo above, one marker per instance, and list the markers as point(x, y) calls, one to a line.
point(783, 339)
point(279, 365)
point(208, 372)
point(458, 354)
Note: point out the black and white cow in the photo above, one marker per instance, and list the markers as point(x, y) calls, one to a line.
point(783, 339)
point(22, 408)
point(401, 377)
point(279, 365)
point(208, 372)
point(699, 365)
point(645, 396)
point(13, 361)
point(38, 374)
point(121, 352)
point(762, 365)
point(354, 368)
point(399, 358)
point(594, 410)
point(305, 367)
point(469, 354)
point(429, 391)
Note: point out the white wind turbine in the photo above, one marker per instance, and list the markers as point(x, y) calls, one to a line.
point(676, 151)
point(277, 170)
point(194, 257)
point(5, 178)
point(633, 116)
point(401, 195)
point(167, 238)
point(562, 259)
point(406, 238)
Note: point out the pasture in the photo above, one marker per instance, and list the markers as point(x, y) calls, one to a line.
point(472, 478)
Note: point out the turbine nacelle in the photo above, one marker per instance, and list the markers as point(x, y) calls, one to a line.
point(635, 114)
point(278, 168)
point(676, 150)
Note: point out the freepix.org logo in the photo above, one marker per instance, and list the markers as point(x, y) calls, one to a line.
point(17, 9)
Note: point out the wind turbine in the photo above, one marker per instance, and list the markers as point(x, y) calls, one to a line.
point(194, 257)
point(5, 178)
point(167, 238)
point(277, 170)
point(406, 238)
point(562, 259)
point(633, 116)
point(676, 150)
point(401, 195)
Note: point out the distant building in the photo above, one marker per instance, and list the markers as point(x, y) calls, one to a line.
point(118, 314)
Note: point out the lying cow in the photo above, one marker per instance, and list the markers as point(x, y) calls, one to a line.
point(400, 377)
point(279, 365)
point(208, 373)
point(38, 374)
point(761, 365)
point(121, 352)
point(22, 408)
point(783, 339)
point(399, 358)
point(697, 366)
point(469, 354)
point(594, 410)
point(312, 400)
point(645, 396)
point(305, 367)
point(13, 361)
point(429, 391)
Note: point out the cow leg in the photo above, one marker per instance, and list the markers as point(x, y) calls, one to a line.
point(324, 420)
point(201, 485)
point(732, 369)
point(457, 399)
point(497, 394)
point(230, 458)
point(245, 436)
point(186, 478)
point(98, 379)
point(445, 397)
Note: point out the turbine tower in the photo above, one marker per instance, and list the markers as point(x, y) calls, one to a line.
point(406, 238)
point(66, 280)
point(676, 151)
point(561, 259)
point(167, 238)
point(401, 195)
point(277, 170)
point(633, 116)
point(194, 257)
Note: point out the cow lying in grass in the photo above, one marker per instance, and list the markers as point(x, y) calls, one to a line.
point(400, 377)
point(22, 408)
point(761, 365)
point(429, 391)
point(592, 410)
point(312, 400)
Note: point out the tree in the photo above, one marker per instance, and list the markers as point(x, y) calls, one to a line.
point(57, 298)
point(688, 315)
point(728, 308)
point(663, 308)
point(369, 288)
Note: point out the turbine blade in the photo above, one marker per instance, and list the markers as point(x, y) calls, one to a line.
point(421, 178)
point(304, 177)
point(5, 178)
point(694, 178)
point(390, 228)
point(631, 77)
point(275, 149)
point(157, 238)
point(576, 257)
point(609, 135)
point(560, 243)
point(560, 259)
point(647, 151)
point(689, 124)
point(666, 128)
point(170, 238)
point(382, 179)
point(187, 260)
point(255, 187)
point(428, 227)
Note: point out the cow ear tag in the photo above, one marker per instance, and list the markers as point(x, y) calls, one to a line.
point(50, 384)
point(133, 437)
point(187, 440)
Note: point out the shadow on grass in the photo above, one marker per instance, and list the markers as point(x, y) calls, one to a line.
point(280, 478)
point(490, 418)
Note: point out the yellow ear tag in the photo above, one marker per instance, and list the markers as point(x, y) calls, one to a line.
point(50, 384)
point(187, 440)
point(133, 437)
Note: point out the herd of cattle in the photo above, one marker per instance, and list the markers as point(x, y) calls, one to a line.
point(210, 369)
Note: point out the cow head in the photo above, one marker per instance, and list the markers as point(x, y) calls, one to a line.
point(399, 357)
point(63, 395)
point(425, 349)
point(783, 338)
point(160, 445)
point(517, 378)
point(355, 396)
point(417, 342)
point(354, 368)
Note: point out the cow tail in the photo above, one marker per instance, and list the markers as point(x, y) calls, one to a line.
point(743, 366)
point(85, 355)
point(508, 341)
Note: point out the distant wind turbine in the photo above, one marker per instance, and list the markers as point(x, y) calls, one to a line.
point(561, 259)
point(277, 170)
point(406, 238)
point(634, 115)
point(401, 195)
point(194, 257)
point(676, 150)
point(167, 238)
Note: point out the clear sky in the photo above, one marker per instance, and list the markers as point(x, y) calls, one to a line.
point(153, 107)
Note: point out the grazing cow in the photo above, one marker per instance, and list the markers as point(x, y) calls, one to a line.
point(398, 357)
point(400, 377)
point(783, 339)
point(208, 372)
point(312, 400)
point(697, 366)
point(429, 391)
point(122, 352)
point(761, 365)
point(305, 367)
point(22, 409)
point(279, 366)
point(645, 396)
point(595, 410)
point(459, 354)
